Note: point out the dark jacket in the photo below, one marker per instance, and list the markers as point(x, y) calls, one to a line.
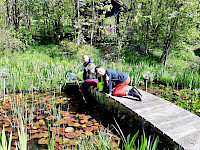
point(114, 77)
point(87, 74)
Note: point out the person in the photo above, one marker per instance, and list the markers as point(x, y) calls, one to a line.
point(92, 81)
point(120, 79)
point(88, 63)
point(78, 78)
point(88, 73)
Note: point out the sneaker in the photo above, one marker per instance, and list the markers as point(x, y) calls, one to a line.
point(135, 94)
point(134, 89)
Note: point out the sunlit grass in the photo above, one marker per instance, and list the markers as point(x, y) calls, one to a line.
point(39, 70)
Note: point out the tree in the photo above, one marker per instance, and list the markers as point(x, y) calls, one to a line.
point(162, 24)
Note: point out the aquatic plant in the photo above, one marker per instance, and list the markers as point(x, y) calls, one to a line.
point(130, 143)
point(4, 145)
point(22, 133)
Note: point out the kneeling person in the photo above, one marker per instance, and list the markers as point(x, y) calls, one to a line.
point(119, 78)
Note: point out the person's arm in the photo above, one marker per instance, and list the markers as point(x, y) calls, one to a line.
point(108, 81)
point(84, 74)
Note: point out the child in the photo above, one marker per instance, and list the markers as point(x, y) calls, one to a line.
point(119, 78)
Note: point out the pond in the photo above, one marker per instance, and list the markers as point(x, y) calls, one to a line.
point(45, 114)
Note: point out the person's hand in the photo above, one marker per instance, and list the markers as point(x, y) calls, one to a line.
point(76, 81)
point(107, 78)
point(97, 89)
point(108, 94)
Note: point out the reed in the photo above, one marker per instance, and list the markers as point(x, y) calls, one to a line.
point(4, 145)
point(38, 71)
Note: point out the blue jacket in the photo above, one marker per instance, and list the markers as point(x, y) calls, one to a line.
point(114, 77)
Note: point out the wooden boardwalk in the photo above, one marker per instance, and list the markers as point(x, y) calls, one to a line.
point(180, 125)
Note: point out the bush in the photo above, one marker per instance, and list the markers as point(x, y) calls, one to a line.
point(166, 78)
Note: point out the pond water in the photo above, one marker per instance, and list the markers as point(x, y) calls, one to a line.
point(46, 113)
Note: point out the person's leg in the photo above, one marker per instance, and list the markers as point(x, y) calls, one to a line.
point(92, 82)
point(135, 93)
point(85, 86)
point(119, 89)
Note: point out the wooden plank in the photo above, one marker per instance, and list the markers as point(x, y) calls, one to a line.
point(169, 117)
point(180, 125)
point(191, 141)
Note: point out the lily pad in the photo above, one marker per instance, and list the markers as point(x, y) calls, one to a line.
point(59, 146)
point(43, 141)
point(69, 129)
point(59, 140)
point(88, 133)
point(95, 128)
point(88, 129)
point(83, 121)
point(73, 142)
point(42, 122)
point(76, 124)
point(70, 135)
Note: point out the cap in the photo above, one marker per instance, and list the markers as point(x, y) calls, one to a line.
point(72, 76)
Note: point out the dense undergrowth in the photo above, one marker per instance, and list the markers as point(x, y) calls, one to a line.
point(47, 66)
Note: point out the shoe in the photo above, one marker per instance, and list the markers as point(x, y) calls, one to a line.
point(137, 95)
point(134, 89)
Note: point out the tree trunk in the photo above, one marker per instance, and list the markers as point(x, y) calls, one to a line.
point(78, 38)
point(8, 14)
point(166, 58)
point(168, 40)
point(15, 14)
point(92, 32)
point(147, 37)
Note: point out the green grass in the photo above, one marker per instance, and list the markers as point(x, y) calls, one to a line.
point(44, 67)
point(4, 144)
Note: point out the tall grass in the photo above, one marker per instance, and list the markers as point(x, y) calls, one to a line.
point(130, 143)
point(4, 144)
point(37, 69)
point(22, 134)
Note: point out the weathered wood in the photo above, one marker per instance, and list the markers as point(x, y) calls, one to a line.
point(177, 123)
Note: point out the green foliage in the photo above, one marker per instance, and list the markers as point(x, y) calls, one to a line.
point(4, 145)
point(183, 53)
point(50, 49)
point(9, 44)
point(145, 144)
point(22, 134)
point(51, 140)
point(163, 25)
point(36, 71)
point(166, 78)
point(43, 67)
